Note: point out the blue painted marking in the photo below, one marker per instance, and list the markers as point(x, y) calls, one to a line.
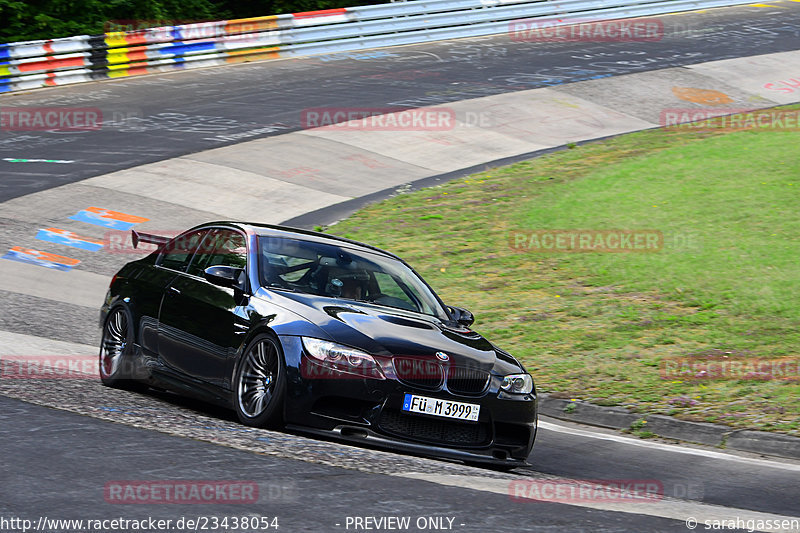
point(14, 255)
point(100, 220)
point(76, 241)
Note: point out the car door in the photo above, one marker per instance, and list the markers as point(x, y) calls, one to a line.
point(201, 324)
point(173, 258)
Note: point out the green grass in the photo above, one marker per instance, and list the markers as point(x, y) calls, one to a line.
point(596, 326)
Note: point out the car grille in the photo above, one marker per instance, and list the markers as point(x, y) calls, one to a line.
point(468, 381)
point(434, 431)
point(418, 372)
point(430, 375)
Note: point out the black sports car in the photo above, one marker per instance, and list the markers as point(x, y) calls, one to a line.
point(318, 333)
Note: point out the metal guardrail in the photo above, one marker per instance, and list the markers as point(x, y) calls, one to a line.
point(34, 64)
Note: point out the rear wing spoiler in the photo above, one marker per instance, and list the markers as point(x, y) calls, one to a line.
point(137, 237)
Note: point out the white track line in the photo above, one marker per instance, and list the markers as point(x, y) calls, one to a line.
point(753, 461)
point(681, 510)
point(15, 344)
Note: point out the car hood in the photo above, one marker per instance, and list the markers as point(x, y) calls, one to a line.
point(394, 332)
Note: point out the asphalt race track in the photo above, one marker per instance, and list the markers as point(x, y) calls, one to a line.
point(160, 117)
point(58, 463)
point(303, 496)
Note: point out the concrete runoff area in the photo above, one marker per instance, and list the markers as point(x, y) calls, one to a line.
point(750, 74)
point(238, 194)
point(77, 287)
point(651, 95)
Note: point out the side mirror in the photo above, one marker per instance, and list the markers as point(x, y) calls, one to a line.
point(224, 276)
point(462, 316)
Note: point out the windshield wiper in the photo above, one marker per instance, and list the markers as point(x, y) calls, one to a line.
point(380, 304)
point(280, 288)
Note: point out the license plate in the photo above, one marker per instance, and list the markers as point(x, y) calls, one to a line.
point(443, 408)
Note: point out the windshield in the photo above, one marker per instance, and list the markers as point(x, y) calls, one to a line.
point(344, 273)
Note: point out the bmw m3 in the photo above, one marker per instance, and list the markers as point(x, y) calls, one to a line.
point(318, 334)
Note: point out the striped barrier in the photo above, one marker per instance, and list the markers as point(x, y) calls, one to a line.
point(34, 64)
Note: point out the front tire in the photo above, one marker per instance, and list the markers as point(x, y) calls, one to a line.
point(260, 383)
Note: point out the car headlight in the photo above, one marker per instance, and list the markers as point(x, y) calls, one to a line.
point(342, 358)
point(517, 383)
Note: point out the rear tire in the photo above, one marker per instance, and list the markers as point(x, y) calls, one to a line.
point(116, 351)
point(260, 383)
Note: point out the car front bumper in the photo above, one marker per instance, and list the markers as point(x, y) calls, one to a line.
point(369, 411)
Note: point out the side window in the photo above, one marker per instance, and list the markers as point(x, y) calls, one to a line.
point(222, 247)
point(177, 252)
